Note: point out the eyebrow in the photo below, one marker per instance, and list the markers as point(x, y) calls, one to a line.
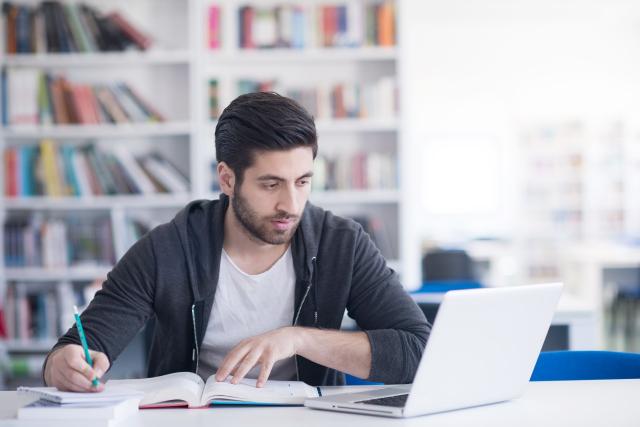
point(280, 179)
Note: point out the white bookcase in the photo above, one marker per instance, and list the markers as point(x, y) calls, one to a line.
point(579, 185)
point(174, 75)
point(163, 75)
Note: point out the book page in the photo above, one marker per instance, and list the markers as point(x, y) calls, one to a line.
point(273, 392)
point(184, 386)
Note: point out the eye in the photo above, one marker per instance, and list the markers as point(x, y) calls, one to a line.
point(270, 185)
point(304, 181)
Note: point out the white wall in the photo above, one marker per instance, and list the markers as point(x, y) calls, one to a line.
point(472, 71)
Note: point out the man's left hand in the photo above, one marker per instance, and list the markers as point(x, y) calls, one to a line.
point(263, 350)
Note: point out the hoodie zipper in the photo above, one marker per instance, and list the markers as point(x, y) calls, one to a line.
point(315, 292)
point(195, 353)
point(315, 313)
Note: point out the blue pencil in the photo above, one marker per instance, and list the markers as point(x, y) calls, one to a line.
point(83, 340)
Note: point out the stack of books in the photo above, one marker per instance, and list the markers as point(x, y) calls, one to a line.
point(55, 27)
point(57, 408)
point(34, 97)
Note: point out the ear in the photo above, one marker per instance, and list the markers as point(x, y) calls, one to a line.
point(226, 178)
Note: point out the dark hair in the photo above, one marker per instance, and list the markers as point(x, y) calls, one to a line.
point(261, 121)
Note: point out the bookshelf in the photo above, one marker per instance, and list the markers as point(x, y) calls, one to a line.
point(579, 184)
point(174, 76)
point(163, 77)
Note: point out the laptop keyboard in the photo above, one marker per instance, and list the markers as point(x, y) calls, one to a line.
point(395, 401)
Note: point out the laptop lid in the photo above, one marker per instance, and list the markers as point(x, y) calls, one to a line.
point(483, 347)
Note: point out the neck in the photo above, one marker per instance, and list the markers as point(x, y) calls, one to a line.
point(250, 254)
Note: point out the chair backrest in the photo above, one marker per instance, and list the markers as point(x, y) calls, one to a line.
point(449, 264)
point(586, 365)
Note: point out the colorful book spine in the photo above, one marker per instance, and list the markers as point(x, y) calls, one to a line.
point(215, 30)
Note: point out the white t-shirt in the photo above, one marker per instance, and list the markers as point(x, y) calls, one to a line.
point(247, 305)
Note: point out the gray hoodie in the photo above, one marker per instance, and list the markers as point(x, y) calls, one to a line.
point(171, 274)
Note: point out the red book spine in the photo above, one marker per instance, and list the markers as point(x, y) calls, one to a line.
point(247, 27)
point(80, 108)
point(11, 184)
point(339, 112)
point(141, 40)
point(91, 104)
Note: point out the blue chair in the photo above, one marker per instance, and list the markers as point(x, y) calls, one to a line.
point(351, 380)
point(586, 365)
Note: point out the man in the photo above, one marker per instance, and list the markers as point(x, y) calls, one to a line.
point(256, 283)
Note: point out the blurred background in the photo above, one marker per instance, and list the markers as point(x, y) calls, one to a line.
point(480, 144)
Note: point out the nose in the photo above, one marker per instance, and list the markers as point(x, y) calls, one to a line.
point(288, 201)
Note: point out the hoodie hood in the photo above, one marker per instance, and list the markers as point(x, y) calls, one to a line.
point(200, 227)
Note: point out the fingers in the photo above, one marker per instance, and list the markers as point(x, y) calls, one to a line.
point(100, 363)
point(75, 362)
point(264, 372)
point(74, 381)
point(249, 361)
point(230, 361)
point(72, 372)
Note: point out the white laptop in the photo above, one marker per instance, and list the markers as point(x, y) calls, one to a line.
point(482, 349)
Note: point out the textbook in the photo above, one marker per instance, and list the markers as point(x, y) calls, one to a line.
point(188, 389)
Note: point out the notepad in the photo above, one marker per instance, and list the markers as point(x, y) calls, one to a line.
point(188, 389)
point(52, 394)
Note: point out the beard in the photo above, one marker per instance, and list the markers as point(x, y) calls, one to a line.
point(261, 228)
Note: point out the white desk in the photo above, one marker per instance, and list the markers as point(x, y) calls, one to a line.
point(561, 403)
point(583, 266)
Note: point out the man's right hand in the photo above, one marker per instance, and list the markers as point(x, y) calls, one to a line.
point(67, 369)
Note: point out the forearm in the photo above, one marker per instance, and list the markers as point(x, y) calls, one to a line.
point(348, 352)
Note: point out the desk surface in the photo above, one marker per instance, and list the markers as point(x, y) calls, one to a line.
point(559, 403)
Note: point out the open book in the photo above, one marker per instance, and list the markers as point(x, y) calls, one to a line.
point(188, 389)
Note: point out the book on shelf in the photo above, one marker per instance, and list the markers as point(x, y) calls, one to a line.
point(188, 389)
point(3, 98)
point(214, 28)
point(54, 170)
point(377, 99)
point(360, 170)
point(34, 97)
point(36, 241)
point(214, 100)
point(66, 27)
point(352, 24)
point(3, 323)
point(214, 185)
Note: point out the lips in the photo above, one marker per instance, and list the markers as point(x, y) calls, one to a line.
point(282, 224)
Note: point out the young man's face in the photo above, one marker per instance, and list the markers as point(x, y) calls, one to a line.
point(273, 193)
